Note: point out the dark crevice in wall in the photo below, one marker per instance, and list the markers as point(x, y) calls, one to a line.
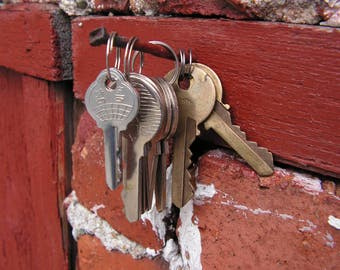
point(69, 140)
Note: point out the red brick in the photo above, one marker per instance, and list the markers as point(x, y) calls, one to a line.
point(93, 256)
point(240, 239)
point(90, 186)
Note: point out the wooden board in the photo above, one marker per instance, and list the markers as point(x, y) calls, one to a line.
point(281, 80)
point(33, 177)
point(35, 40)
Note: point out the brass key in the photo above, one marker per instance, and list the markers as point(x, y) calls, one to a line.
point(195, 105)
point(259, 158)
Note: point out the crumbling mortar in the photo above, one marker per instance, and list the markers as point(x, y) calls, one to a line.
point(83, 221)
point(182, 243)
point(325, 12)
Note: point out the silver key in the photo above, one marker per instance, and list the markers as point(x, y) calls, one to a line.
point(113, 105)
point(160, 161)
point(142, 130)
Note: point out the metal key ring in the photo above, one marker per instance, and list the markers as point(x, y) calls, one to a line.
point(185, 69)
point(182, 63)
point(176, 73)
point(127, 55)
point(109, 47)
point(169, 48)
point(189, 67)
point(141, 61)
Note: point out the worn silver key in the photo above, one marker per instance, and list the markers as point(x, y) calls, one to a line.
point(113, 107)
point(259, 158)
point(159, 174)
point(157, 152)
point(195, 105)
point(153, 150)
point(146, 126)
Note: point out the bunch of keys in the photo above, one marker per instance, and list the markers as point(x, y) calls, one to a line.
point(139, 115)
point(201, 105)
point(137, 121)
point(145, 144)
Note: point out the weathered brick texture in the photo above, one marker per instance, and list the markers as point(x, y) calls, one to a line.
point(93, 256)
point(90, 186)
point(278, 222)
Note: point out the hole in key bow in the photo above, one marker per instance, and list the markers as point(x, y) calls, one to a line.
point(110, 84)
point(184, 81)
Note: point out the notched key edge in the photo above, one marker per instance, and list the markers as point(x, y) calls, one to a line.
point(262, 159)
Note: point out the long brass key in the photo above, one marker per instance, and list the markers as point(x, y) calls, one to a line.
point(195, 105)
point(259, 158)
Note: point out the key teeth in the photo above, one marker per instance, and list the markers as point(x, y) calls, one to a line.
point(237, 129)
point(262, 151)
point(188, 190)
point(222, 115)
point(188, 153)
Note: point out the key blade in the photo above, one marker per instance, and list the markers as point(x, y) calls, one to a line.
point(110, 155)
point(259, 158)
point(132, 194)
point(160, 186)
point(144, 176)
point(182, 189)
point(151, 168)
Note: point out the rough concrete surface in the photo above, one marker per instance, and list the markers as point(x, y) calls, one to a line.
point(326, 12)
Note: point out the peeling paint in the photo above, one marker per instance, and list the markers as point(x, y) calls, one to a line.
point(203, 193)
point(286, 216)
point(329, 240)
point(83, 221)
point(311, 185)
point(309, 226)
point(189, 239)
point(259, 211)
point(96, 207)
point(334, 222)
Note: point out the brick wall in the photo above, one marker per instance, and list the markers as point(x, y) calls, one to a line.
point(237, 220)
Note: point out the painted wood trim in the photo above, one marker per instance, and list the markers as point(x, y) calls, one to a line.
point(35, 39)
point(31, 161)
point(281, 80)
